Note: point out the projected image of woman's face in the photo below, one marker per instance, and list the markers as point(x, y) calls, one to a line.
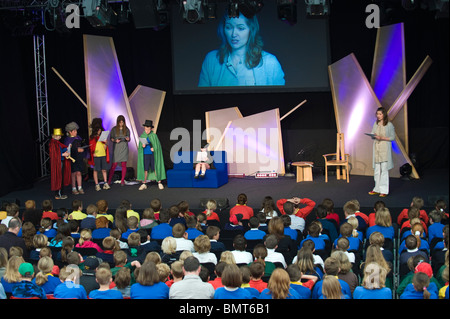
point(237, 32)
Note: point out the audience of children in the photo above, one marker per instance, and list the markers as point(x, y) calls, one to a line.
point(274, 269)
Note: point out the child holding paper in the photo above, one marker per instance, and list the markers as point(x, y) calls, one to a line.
point(202, 162)
point(99, 153)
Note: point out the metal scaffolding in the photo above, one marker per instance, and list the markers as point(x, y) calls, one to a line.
point(42, 102)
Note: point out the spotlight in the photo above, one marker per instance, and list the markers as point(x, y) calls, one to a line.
point(210, 7)
point(287, 11)
point(317, 7)
point(98, 13)
point(233, 9)
point(193, 11)
point(250, 7)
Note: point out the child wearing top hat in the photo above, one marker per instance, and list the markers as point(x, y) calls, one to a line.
point(150, 165)
point(59, 164)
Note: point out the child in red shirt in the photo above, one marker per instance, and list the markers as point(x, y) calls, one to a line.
point(256, 272)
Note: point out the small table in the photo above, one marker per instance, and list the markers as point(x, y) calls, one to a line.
point(304, 171)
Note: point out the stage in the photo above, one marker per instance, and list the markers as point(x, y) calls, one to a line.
point(432, 185)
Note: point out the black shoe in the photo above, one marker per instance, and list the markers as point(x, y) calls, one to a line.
point(196, 176)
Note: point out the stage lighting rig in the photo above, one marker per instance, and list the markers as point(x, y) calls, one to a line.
point(210, 7)
point(98, 13)
point(250, 7)
point(317, 7)
point(233, 9)
point(193, 11)
point(287, 11)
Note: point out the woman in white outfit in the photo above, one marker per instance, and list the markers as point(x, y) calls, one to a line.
point(384, 134)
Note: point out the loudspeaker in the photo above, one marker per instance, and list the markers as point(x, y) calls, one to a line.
point(145, 14)
point(222, 203)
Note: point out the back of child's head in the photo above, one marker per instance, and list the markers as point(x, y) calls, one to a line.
point(202, 244)
point(354, 222)
point(119, 257)
point(101, 222)
point(294, 272)
point(242, 199)
point(15, 251)
point(413, 212)
point(435, 216)
point(219, 268)
point(343, 244)
point(356, 202)
point(201, 218)
point(231, 276)
point(73, 225)
point(321, 211)
point(122, 279)
point(103, 276)
point(164, 216)
point(421, 281)
point(239, 242)
point(126, 203)
point(40, 241)
point(45, 266)
point(227, 257)
point(156, 205)
point(286, 220)
point(331, 266)
point(134, 239)
point(174, 211)
point(212, 231)
point(169, 245)
point(376, 238)
point(260, 253)
point(253, 222)
point(346, 230)
point(417, 202)
point(183, 206)
point(309, 244)
point(261, 218)
point(191, 222)
point(288, 208)
point(163, 270)
point(211, 205)
point(314, 229)
point(73, 258)
point(85, 235)
point(102, 206)
point(91, 209)
point(45, 223)
point(132, 222)
point(329, 205)
point(178, 230)
point(155, 257)
point(271, 242)
point(257, 270)
point(47, 205)
point(148, 213)
point(45, 252)
point(77, 205)
point(184, 254)
point(350, 208)
point(176, 268)
point(331, 288)
point(109, 243)
point(245, 272)
point(143, 235)
point(411, 242)
point(30, 204)
point(378, 205)
point(115, 233)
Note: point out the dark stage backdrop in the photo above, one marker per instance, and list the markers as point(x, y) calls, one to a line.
point(145, 58)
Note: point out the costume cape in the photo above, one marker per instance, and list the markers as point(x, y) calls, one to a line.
point(54, 148)
point(159, 159)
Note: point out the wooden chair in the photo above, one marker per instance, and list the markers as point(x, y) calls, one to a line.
point(338, 159)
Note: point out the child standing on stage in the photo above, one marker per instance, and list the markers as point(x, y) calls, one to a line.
point(120, 136)
point(99, 153)
point(59, 166)
point(73, 141)
point(150, 157)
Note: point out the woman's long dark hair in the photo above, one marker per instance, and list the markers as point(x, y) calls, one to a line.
point(125, 128)
point(254, 46)
point(385, 115)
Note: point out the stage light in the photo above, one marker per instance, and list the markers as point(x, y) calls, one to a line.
point(233, 9)
point(317, 7)
point(287, 11)
point(250, 7)
point(193, 11)
point(98, 13)
point(210, 7)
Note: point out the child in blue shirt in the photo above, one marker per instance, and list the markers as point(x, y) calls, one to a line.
point(254, 233)
point(104, 279)
point(420, 288)
point(232, 282)
point(314, 234)
point(70, 287)
point(25, 288)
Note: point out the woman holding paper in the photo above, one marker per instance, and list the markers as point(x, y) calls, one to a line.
point(384, 134)
point(120, 136)
point(99, 153)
